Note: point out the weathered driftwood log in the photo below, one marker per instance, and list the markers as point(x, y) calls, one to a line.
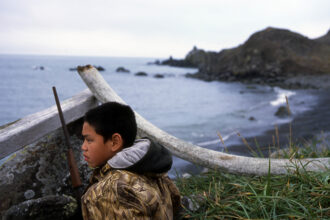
point(195, 154)
point(35, 126)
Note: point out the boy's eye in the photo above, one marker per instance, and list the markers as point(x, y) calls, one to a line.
point(88, 140)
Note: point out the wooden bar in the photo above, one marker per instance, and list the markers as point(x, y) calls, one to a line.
point(34, 126)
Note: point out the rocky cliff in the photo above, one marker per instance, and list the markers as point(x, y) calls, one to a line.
point(324, 39)
point(270, 55)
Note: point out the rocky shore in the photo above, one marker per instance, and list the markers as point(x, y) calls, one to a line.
point(310, 128)
point(275, 57)
point(272, 56)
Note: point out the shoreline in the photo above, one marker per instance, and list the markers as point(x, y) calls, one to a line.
point(304, 127)
point(298, 81)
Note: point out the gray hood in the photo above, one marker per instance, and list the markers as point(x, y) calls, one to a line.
point(144, 156)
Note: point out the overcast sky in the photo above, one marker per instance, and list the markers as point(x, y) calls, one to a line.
point(149, 28)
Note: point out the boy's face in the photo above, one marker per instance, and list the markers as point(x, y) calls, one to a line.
point(95, 151)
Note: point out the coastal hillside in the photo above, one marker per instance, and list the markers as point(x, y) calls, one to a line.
point(270, 55)
point(325, 38)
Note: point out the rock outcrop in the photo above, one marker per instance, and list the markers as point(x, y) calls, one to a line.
point(159, 76)
point(196, 58)
point(268, 56)
point(177, 62)
point(31, 176)
point(48, 207)
point(141, 74)
point(282, 112)
point(324, 39)
point(122, 70)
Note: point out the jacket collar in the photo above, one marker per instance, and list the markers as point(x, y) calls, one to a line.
point(100, 173)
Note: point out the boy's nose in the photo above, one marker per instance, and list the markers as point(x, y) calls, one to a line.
point(83, 146)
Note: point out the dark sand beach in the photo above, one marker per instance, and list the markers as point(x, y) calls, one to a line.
point(304, 127)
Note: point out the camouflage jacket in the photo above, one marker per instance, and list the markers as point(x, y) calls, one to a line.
point(133, 190)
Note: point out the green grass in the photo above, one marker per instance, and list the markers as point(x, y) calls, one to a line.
point(303, 195)
point(299, 195)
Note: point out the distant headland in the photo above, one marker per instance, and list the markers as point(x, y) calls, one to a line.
point(271, 56)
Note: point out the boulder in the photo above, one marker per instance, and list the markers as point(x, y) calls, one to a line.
point(141, 74)
point(41, 169)
point(73, 69)
point(122, 70)
point(100, 68)
point(159, 76)
point(39, 68)
point(48, 207)
point(282, 112)
point(193, 202)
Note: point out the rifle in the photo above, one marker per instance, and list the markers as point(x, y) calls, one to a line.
point(74, 172)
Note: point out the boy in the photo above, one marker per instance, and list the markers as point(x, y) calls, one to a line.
point(129, 180)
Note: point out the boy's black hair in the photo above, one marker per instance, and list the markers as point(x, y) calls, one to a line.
point(113, 117)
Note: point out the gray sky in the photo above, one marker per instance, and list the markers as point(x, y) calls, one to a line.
point(149, 28)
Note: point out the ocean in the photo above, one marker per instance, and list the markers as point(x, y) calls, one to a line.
point(190, 109)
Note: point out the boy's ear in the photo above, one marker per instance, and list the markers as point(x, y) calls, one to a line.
point(117, 142)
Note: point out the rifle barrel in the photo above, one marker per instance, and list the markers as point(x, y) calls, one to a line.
point(74, 172)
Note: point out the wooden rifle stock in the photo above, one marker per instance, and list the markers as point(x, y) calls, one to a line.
point(74, 172)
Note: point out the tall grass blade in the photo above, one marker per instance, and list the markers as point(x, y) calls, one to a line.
point(220, 136)
point(287, 106)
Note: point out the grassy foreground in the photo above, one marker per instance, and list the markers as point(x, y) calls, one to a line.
point(300, 195)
